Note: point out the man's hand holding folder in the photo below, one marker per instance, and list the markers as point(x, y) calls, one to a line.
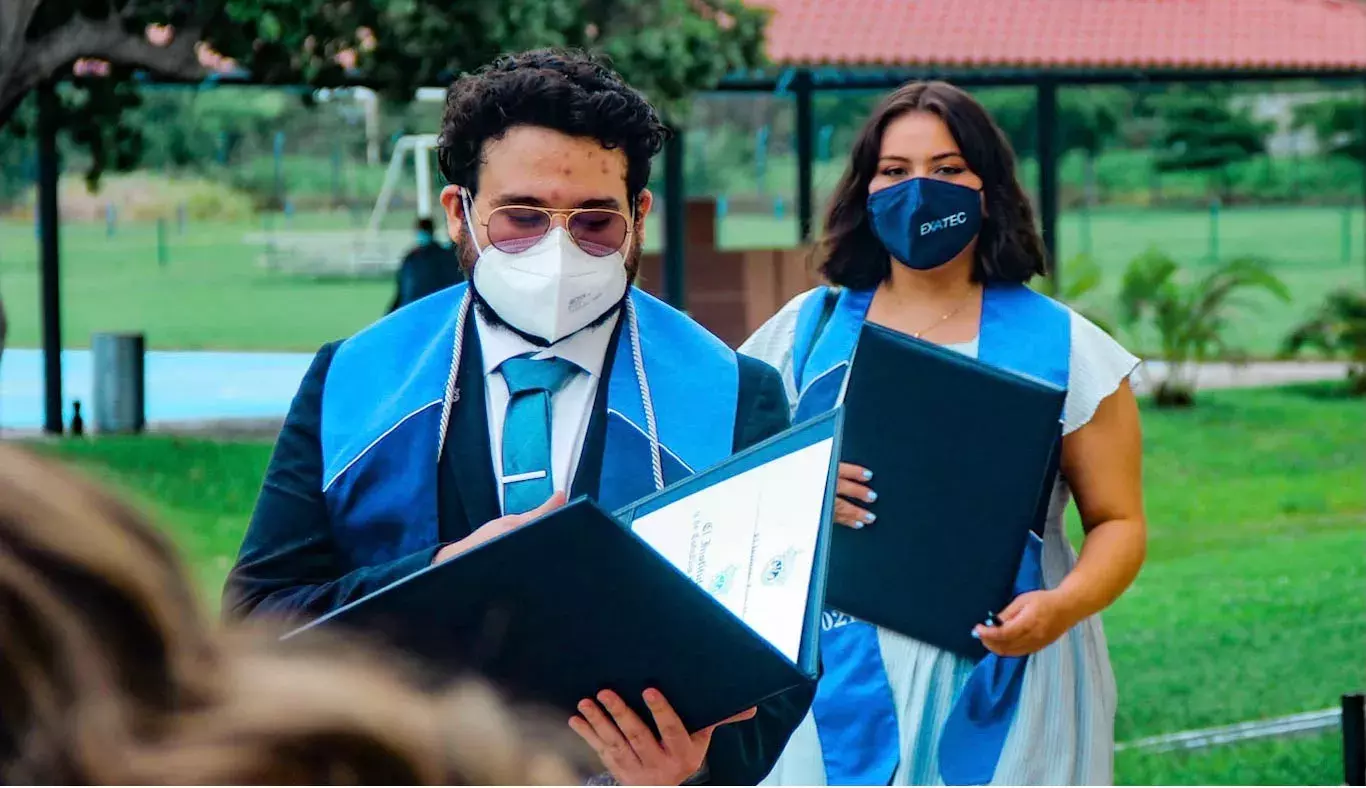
point(624, 743)
point(630, 750)
point(496, 528)
point(653, 625)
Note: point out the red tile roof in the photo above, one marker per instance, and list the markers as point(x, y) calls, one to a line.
point(1071, 34)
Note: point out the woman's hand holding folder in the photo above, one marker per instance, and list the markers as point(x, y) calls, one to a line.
point(853, 486)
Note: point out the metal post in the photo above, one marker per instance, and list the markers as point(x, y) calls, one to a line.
point(1045, 133)
point(336, 175)
point(162, 256)
point(1347, 234)
point(761, 157)
point(279, 167)
point(1086, 228)
point(48, 223)
point(675, 224)
point(801, 86)
point(422, 162)
point(823, 142)
point(1354, 739)
point(1214, 230)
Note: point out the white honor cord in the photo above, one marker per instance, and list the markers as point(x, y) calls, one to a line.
point(453, 379)
point(656, 460)
point(453, 390)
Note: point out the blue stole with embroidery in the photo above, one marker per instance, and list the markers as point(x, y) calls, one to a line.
point(855, 713)
point(383, 398)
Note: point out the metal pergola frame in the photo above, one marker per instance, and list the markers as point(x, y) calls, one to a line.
point(801, 82)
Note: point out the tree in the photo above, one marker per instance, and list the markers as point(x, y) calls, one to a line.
point(1337, 328)
point(1201, 131)
point(666, 48)
point(1339, 124)
point(1088, 121)
point(1190, 318)
point(16, 158)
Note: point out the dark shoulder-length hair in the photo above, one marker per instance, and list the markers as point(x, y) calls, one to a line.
point(1009, 248)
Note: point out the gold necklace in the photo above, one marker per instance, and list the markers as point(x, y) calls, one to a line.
point(922, 332)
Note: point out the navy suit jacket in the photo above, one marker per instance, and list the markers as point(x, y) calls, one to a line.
point(288, 565)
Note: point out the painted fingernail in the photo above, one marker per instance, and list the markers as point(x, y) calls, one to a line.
point(869, 517)
point(856, 525)
point(976, 636)
point(867, 475)
point(872, 496)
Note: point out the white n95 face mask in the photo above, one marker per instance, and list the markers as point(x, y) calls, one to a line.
point(552, 289)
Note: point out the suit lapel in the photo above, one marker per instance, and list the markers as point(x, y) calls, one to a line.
point(467, 492)
point(588, 473)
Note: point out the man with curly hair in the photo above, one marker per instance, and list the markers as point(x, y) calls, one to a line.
point(471, 411)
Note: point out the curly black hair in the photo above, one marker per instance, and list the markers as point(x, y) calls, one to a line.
point(1009, 248)
point(567, 90)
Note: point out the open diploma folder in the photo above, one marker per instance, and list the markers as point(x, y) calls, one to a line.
point(709, 590)
point(963, 456)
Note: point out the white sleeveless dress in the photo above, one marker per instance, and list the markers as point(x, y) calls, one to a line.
point(1064, 731)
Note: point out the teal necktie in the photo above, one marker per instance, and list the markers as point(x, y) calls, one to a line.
point(528, 480)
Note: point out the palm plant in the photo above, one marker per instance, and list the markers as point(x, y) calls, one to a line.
point(1077, 288)
point(1190, 318)
point(1338, 328)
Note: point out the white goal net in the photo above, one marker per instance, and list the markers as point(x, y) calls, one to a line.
point(372, 250)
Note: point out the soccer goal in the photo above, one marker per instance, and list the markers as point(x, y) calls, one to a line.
point(371, 250)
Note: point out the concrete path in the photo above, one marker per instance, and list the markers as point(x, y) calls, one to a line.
point(247, 394)
point(182, 387)
point(1237, 376)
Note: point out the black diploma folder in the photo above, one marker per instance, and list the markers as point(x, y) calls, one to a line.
point(963, 456)
point(575, 602)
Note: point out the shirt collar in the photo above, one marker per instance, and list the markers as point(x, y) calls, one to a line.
point(586, 349)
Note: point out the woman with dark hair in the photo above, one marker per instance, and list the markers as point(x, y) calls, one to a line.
point(930, 234)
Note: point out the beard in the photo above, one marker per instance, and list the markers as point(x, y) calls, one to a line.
point(469, 258)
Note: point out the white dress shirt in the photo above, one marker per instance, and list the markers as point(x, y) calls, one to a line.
point(571, 407)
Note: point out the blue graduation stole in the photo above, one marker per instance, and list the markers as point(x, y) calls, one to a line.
point(854, 710)
point(382, 403)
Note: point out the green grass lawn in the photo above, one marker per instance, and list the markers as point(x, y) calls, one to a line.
point(1312, 760)
point(1252, 603)
point(213, 293)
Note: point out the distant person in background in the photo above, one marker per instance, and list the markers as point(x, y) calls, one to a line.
point(427, 268)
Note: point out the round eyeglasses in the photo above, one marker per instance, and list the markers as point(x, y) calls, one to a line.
point(516, 228)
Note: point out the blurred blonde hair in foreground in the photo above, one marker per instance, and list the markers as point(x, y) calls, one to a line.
point(111, 673)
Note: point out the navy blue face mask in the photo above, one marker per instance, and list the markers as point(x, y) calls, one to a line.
point(924, 223)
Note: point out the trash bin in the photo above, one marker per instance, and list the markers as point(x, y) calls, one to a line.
point(118, 383)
